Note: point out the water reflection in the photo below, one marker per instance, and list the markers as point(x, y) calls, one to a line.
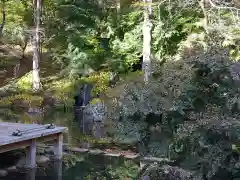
point(55, 173)
point(31, 174)
point(92, 167)
point(89, 168)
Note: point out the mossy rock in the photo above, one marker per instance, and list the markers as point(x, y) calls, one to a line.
point(99, 80)
point(94, 101)
point(25, 82)
point(21, 100)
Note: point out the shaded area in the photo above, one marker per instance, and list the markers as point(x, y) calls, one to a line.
point(87, 167)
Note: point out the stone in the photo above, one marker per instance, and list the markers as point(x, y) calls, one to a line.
point(155, 159)
point(131, 156)
point(96, 152)
point(65, 147)
point(12, 169)
point(3, 173)
point(130, 141)
point(98, 111)
point(65, 154)
point(42, 159)
point(49, 150)
point(21, 162)
point(112, 154)
point(80, 150)
point(39, 160)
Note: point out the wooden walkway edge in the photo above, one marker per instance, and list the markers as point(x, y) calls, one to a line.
point(27, 136)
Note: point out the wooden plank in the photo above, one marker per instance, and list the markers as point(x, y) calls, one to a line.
point(6, 130)
point(51, 137)
point(17, 125)
point(32, 135)
point(24, 144)
point(14, 146)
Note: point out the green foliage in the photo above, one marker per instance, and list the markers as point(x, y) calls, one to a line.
point(25, 82)
point(196, 94)
point(15, 29)
point(170, 30)
point(127, 171)
point(70, 160)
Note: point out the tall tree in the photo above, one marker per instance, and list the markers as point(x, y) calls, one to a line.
point(147, 36)
point(36, 46)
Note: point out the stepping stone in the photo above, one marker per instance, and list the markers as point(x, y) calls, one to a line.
point(80, 150)
point(112, 154)
point(155, 159)
point(132, 156)
point(96, 152)
point(3, 173)
point(12, 169)
point(42, 159)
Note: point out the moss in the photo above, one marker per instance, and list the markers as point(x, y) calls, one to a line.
point(25, 82)
point(62, 90)
point(64, 85)
point(29, 99)
point(95, 101)
point(100, 81)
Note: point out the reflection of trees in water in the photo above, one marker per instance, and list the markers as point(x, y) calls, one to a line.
point(103, 167)
point(163, 171)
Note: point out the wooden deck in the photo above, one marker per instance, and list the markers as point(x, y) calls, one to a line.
point(27, 136)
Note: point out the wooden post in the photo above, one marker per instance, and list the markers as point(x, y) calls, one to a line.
point(58, 169)
point(58, 146)
point(31, 155)
point(31, 174)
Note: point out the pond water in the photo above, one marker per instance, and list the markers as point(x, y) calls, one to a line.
point(80, 134)
point(88, 168)
point(121, 136)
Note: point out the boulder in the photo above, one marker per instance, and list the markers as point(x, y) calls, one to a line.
point(95, 111)
point(39, 160)
point(3, 173)
point(42, 160)
point(21, 162)
point(49, 150)
point(12, 169)
point(96, 152)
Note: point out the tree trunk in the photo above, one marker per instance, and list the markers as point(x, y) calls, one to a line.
point(118, 5)
point(3, 17)
point(36, 47)
point(147, 36)
point(203, 4)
